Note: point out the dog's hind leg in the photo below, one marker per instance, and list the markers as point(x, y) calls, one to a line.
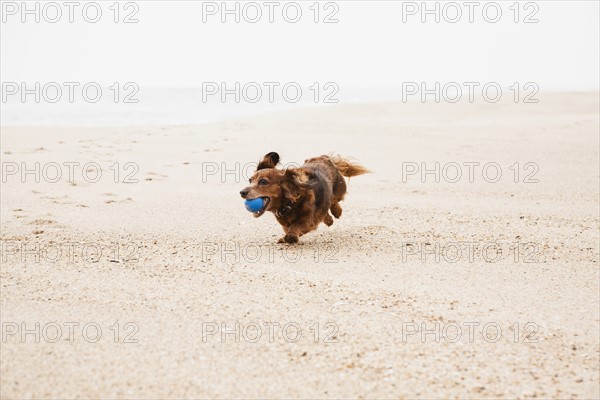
point(336, 210)
point(328, 220)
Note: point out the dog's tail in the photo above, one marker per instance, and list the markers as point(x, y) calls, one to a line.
point(348, 168)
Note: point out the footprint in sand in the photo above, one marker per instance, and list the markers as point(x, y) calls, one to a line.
point(155, 176)
point(42, 221)
point(93, 170)
point(126, 200)
point(58, 199)
point(108, 194)
point(18, 212)
point(64, 196)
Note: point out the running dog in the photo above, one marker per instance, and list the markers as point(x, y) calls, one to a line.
point(301, 198)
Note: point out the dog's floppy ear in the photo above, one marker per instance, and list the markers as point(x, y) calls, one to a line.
point(289, 185)
point(270, 160)
point(294, 184)
point(297, 176)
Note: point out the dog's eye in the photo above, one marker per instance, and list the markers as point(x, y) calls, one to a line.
point(263, 182)
point(249, 180)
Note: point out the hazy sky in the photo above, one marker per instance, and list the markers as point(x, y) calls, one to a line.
point(370, 46)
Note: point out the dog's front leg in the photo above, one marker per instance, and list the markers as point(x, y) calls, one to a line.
point(290, 237)
point(292, 234)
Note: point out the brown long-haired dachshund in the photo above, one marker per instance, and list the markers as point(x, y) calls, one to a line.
point(301, 198)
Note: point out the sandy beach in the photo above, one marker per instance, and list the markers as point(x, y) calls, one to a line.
point(464, 266)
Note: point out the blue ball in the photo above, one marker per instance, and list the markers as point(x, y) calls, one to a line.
point(254, 205)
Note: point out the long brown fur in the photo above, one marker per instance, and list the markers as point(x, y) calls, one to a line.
point(301, 198)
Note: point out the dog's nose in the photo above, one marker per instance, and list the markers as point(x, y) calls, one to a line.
point(244, 193)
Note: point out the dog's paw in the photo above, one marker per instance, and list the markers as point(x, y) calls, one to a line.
point(336, 210)
point(289, 238)
point(328, 220)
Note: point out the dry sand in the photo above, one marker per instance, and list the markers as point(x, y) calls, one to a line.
point(191, 260)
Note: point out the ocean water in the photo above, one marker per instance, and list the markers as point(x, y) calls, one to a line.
point(163, 107)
